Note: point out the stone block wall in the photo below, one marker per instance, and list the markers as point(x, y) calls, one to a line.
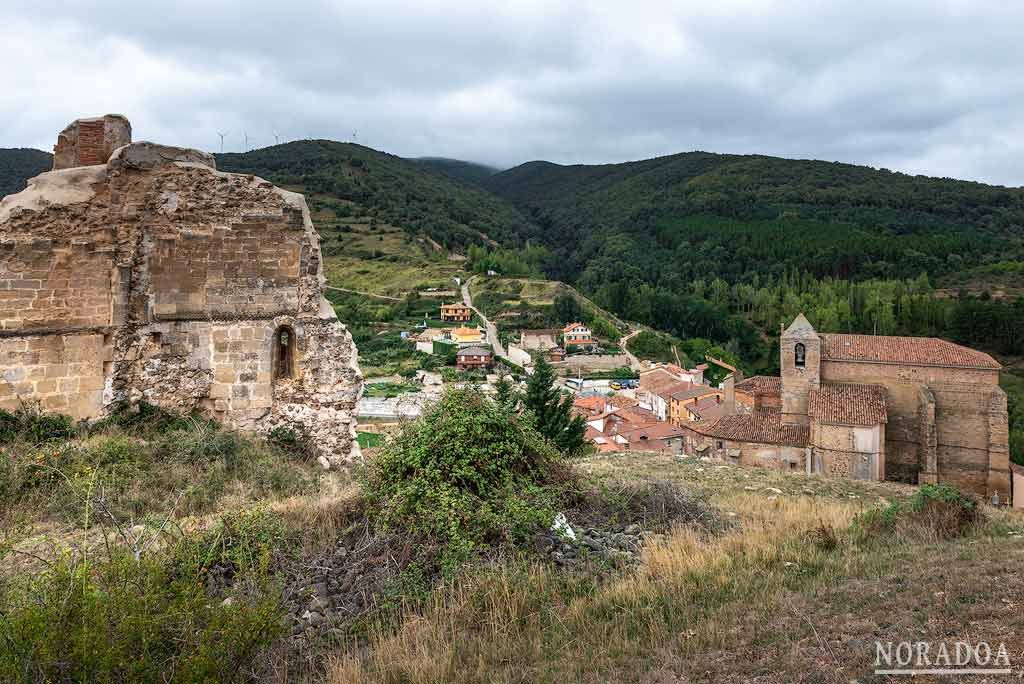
point(849, 451)
point(227, 270)
point(63, 373)
point(49, 284)
point(951, 405)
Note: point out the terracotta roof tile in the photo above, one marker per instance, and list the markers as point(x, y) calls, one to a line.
point(666, 391)
point(707, 408)
point(596, 403)
point(761, 384)
point(654, 380)
point(915, 351)
point(847, 404)
point(760, 428)
point(660, 430)
point(695, 391)
point(620, 401)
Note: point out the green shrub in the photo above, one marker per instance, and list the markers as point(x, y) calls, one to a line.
point(468, 473)
point(142, 417)
point(30, 424)
point(935, 511)
point(293, 442)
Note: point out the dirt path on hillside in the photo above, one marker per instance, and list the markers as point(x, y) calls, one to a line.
point(365, 294)
point(634, 362)
point(492, 330)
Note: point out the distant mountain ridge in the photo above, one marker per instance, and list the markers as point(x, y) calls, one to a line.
point(19, 164)
point(464, 171)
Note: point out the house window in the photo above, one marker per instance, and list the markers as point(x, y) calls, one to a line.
point(800, 355)
point(720, 445)
point(284, 352)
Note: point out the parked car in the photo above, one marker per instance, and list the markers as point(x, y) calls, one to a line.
point(615, 385)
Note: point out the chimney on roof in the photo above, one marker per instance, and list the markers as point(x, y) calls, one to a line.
point(89, 142)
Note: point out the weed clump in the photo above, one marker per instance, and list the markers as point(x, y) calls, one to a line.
point(140, 460)
point(166, 616)
point(934, 512)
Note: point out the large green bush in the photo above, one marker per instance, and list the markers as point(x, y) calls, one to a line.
point(469, 472)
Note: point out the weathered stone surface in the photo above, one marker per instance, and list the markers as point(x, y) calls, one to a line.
point(155, 277)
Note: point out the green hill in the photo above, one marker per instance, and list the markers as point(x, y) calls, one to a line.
point(768, 215)
point(357, 181)
point(464, 171)
point(17, 165)
point(727, 247)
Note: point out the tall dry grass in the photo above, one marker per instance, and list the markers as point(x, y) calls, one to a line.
point(528, 623)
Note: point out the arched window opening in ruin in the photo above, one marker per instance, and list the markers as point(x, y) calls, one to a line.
point(800, 355)
point(284, 353)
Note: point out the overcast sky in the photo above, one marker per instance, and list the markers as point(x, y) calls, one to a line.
point(924, 87)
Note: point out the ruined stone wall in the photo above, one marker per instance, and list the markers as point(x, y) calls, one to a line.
point(962, 400)
point(157, 278)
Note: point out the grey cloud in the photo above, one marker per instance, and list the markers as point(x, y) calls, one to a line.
point(922, 87)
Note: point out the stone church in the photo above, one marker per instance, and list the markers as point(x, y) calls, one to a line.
point(910, 409)
point(137, 271)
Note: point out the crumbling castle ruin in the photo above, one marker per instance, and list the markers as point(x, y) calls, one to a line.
point(136, 271)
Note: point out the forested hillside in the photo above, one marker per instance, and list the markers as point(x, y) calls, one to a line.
point(364, 182)
point(467, 172)
point(727, 247)
point(17, 165)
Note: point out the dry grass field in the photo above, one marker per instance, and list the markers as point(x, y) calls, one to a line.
point(787, 596)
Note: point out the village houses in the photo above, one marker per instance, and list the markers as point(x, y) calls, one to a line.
point(577, 335)
point(456, 313)
point(472, 358)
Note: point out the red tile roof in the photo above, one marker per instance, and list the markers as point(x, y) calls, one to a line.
point(843, 404)
point(634, 416)
point(661, 430)
point(695, 391)
point(707, 408)
point(653, 380)
point(914, 351)
point(760, 428)
point(666, 391)
point(593, 404)
point(761, 384)
point(620, 401)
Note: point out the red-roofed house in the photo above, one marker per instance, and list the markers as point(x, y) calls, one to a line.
point(577, 335)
